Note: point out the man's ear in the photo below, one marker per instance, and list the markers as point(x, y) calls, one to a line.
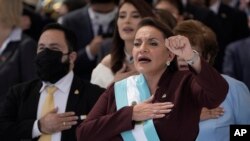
point(72, 57)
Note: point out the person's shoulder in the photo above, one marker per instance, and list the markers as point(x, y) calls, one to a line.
point(86, 85)
point(242, 42)
point(229, 9)
point(27, 42)
point(26, 86)
point(75, 14)
point(26, 38)
point(28, 83)
point(231, 80)
point(107, 61)
point(234, 83)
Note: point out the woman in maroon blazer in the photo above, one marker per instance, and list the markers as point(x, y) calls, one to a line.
point(126, 112)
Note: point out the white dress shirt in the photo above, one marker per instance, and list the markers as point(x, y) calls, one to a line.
point(215, 7)
point(98, 19)
point(60, 101)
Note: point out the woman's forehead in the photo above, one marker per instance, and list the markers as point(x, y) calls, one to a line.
point(148, 32)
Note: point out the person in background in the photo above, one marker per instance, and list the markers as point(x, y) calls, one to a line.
point(92, 25)
point(31, 22)
point(119, 63)
point(166, 17)
point(244, 5)
point(67, 6)
point(233, 3)
point(17, 50)
point(232, 26)
point(49, 108)
point(175, 7)
point(236, 62)
point(127, 112)
point(215, 122)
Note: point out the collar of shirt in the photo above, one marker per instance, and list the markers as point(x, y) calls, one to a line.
point(100, 18)
point(15, 35)
point(63, 84)
point(215, 7)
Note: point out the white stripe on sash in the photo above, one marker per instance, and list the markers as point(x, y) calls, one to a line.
point(134, 96)
point(127, 92)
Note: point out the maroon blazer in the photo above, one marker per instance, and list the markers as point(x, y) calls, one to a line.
point(187, 90)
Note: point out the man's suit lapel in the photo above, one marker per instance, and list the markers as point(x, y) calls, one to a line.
point(7, 53)
point(36, 95)
point(73, 105)
point(74, 95)
point(32, 99)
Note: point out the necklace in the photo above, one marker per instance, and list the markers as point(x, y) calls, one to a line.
point(129, 58)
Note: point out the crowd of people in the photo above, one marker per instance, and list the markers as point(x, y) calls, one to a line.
point(132, 70)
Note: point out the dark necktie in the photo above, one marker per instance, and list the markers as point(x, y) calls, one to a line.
point(100, 30)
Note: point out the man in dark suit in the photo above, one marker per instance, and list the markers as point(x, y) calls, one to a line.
point(232, 26)
point(22, 116)
point(92, 24)
point(236, 60)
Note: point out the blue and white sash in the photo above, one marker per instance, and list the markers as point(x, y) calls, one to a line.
point(130, 90)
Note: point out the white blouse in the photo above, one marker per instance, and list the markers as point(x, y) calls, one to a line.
point(102, 76)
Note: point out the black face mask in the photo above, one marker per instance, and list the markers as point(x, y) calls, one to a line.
point(50, 66)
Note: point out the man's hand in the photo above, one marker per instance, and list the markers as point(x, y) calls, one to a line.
point(95, 45)
point(54, 122)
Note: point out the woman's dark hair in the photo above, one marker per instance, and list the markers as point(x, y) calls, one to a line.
point(70, 36)
point(117, 51)
point(166, 32)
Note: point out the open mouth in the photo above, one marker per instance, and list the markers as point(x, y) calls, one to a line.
point(128, 29)
point(144, 59)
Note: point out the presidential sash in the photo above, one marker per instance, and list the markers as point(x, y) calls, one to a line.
point(129, 91)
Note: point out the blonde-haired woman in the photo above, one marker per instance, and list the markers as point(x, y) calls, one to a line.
point(17, 51)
